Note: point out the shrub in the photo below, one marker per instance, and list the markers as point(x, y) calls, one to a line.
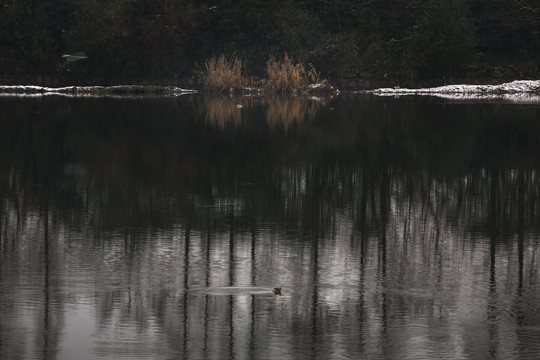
point(221, 75)
point(284, 76)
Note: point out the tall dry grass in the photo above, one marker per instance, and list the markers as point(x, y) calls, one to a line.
point(222, 75)
point(286, 77)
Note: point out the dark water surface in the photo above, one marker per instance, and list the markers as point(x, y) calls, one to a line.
point(156, 228)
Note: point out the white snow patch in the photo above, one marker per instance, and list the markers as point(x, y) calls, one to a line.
point(518, 91)
point(92, 91)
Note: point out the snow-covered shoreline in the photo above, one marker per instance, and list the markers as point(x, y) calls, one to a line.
point(525, 91)
point(518, 91)
point(93, 91)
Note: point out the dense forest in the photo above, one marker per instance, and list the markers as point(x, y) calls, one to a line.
point(133, 40)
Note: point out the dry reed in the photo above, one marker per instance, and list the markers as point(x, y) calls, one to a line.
point(286, 77)
point(222, 75)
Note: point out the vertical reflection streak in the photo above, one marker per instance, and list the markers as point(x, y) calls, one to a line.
point(186, 286)
point(520, 227)
point(231, 327)
point(313, 183)
point(252, 280)
point(3, 250)
point(231, 280)
point(363, 256)
point(492, 299)
point(2, 236)
point(384, 197)
point(315, 296)
point(46, 302)
point(206, 284)
point(520, 245)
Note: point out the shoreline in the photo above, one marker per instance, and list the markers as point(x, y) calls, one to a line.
point(525, 89)
point(116, 90)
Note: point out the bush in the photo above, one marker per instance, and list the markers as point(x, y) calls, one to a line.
point(284, 76)
point(221, 75)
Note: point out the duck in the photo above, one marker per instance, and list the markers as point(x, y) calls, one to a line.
point(277, 291)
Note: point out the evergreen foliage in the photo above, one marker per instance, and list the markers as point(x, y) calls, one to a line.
point(146, 39)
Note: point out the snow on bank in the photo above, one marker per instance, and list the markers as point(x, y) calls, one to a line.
point(93, 91)
point(519, 91)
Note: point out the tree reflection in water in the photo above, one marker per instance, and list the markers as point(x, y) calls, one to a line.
point(396, 227)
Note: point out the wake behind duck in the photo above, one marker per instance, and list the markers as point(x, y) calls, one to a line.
point(233, 290)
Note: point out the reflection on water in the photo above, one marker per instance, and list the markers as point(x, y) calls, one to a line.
point(276, 111)
point(157, 228)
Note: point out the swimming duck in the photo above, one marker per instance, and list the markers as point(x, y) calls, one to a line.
point(277, 291)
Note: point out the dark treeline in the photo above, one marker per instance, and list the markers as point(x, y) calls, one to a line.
point(166, 39)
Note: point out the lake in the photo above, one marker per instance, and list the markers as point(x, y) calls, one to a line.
point(157, 228)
